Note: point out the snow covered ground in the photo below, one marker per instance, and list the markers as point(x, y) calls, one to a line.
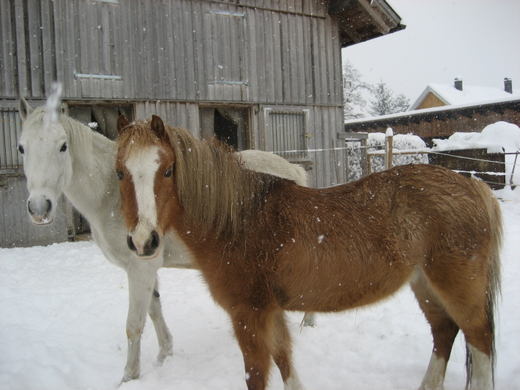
point(63, 312)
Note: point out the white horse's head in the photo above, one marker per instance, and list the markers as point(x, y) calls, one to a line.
point(47, 161)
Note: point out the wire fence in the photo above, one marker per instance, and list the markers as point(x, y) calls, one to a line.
point(509, 165)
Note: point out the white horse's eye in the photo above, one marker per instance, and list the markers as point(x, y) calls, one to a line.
point(63, 147)
point(120, 174)
point(21, 149)
point(168, 172)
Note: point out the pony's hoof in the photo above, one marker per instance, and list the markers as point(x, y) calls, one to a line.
point(161, 357)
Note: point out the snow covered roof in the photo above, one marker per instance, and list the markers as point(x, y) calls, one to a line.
point(496, 138)
point(510, 101)
point(468, 95)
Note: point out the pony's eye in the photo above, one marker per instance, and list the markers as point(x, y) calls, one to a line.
point(63, 147)
point(168, 172)
point(21, 149)
point(120, 174)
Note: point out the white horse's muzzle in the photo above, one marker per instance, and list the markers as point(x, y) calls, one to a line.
point(40, 209)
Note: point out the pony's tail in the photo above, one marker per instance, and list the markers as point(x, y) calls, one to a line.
point(494, 273)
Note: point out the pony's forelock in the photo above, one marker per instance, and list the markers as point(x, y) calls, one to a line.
point(136, 136)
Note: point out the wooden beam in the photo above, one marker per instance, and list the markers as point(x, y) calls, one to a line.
point(380, 23)
point(337, 6)
point(352, 136)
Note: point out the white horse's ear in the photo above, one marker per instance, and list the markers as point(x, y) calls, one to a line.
point(25, 109)
point(158, 127)
point(122, 122)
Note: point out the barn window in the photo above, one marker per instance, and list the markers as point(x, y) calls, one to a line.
point(227, 47)
point(287, 133)
point(228, 124)
point(101, 117)
point(10, 130)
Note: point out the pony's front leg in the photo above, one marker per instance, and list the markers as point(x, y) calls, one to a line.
point(141, 282)
point(253, 340)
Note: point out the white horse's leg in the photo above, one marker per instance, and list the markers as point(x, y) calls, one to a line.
point(481, 370)
point(309, 319)
point(141, 282)
point(434, 377)
point(164, 336)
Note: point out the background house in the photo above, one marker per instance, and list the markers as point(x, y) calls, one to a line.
point(442, 110)
point(256, 73)
point(439, 95)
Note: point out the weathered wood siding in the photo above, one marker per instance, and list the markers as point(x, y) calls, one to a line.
point(171, 58)
point(328, 165)
point(172, 49)
point(10, 129)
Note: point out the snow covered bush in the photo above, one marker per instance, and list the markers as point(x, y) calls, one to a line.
point(376, 141)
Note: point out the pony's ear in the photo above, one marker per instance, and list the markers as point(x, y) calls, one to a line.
point(25, 109)
point(158, 128)
point(122, 122)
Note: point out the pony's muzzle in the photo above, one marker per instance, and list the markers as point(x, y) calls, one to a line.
point(148, 249)
point(40, 210)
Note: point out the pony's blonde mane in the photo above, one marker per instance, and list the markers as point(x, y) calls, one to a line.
point(217, 193)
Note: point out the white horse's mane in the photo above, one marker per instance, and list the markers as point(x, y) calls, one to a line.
point(80, 136)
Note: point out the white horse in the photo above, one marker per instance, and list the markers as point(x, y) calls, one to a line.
point(62, 155)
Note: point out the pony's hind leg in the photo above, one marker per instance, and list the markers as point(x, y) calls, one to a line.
point(164, 336)
point(467, 305)
point(443, 328)
point(479, 333)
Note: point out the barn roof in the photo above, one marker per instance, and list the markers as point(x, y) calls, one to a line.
point(362, 20)
point(437, 113)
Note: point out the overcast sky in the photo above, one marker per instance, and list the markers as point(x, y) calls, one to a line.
point(478, 40)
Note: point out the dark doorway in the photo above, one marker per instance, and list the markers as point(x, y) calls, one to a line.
point(101, 117)
point(226, 130)
point(229, 125)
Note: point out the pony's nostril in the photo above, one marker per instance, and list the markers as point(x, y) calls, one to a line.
point(41, 209)
point(130, 243)
point(155, 240)
point(29, 209)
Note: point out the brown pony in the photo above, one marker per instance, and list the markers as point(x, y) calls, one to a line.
point(265, 244)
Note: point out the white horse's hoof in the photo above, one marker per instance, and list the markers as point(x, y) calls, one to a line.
point(129, 377)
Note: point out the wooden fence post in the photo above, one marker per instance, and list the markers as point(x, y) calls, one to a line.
point(389, 146)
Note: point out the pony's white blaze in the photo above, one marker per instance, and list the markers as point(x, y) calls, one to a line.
point(143, 165)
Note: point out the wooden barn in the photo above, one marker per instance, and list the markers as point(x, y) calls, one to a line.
point(262, 74)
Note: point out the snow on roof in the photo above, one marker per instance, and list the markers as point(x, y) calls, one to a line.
point(496, 138)
point(412, 113)
point(469, 94)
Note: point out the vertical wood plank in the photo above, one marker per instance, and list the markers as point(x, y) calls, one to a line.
point(8, 73)
point(189, 50)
